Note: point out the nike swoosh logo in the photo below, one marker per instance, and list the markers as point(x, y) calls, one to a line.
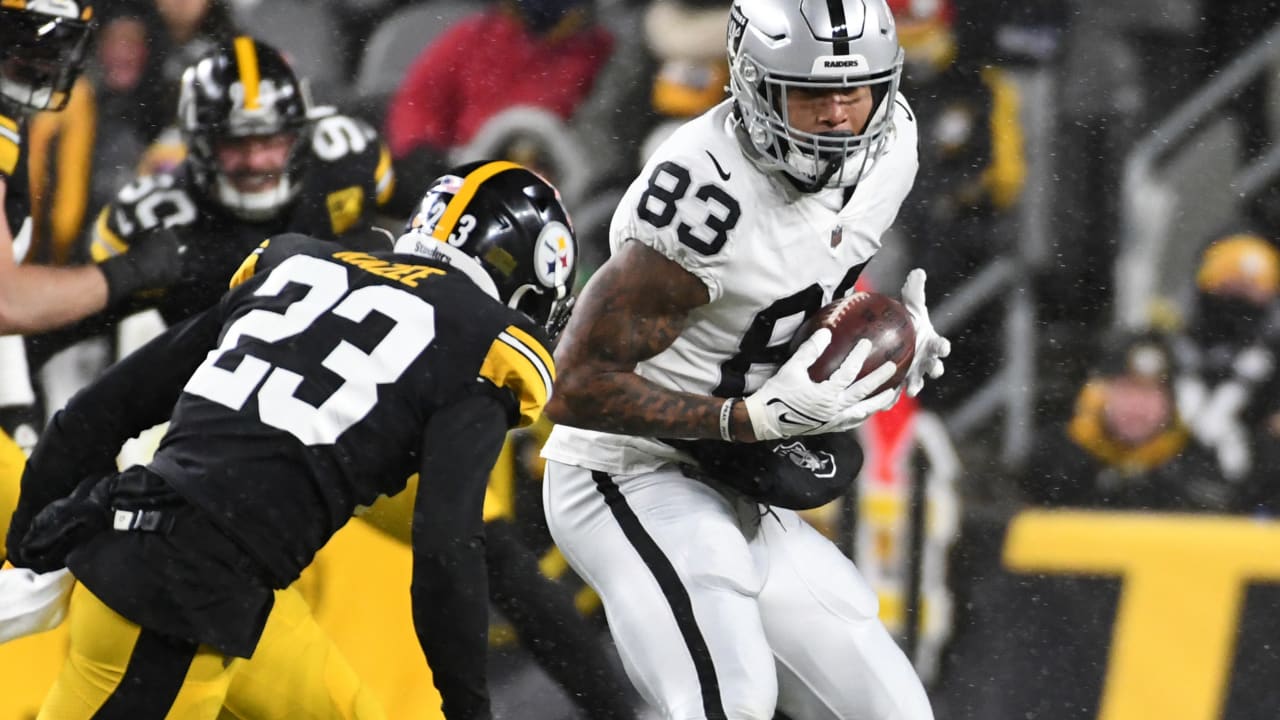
point(791, 416)
point(723, 175)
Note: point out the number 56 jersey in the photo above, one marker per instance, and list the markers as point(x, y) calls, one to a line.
point(314, 379)
point(769, 256)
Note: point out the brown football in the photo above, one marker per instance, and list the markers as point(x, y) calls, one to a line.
point(878, 318)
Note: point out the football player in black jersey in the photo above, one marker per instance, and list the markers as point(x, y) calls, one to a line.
point(323, 379)
point(260, 161)
point(42, 50)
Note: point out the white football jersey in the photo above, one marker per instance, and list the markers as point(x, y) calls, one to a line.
point(770, 257)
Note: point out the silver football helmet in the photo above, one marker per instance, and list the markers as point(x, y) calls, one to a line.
point(777, 45)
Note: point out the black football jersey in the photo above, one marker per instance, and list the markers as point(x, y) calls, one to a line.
point(328, 364)
point(346, 176)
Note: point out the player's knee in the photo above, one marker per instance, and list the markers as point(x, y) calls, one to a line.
point(752, 701)
point(717, 557)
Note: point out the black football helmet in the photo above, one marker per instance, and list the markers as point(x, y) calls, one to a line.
point(43, 44)
point(512, 221)
point(241, 89)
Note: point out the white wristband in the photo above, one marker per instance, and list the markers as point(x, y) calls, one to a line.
point(726, 420)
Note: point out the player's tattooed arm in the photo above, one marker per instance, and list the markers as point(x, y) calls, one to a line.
point(635, 307)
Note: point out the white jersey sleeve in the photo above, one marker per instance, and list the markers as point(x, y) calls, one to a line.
point(683, 206)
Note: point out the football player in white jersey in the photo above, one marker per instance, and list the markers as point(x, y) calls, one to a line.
point(745, 222)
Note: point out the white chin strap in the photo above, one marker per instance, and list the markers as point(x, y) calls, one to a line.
point(254, 206)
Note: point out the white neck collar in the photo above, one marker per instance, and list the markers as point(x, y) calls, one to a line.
point(422, 245)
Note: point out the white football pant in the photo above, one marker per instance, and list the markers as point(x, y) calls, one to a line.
point(720, 613)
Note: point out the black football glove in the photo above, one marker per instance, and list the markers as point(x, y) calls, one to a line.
point(154, 261)
point(798, 473)
point(63, 525)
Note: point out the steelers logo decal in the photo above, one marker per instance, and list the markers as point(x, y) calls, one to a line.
point(554, 256)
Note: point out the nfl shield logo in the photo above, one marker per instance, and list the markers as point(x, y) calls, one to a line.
point(837, 234)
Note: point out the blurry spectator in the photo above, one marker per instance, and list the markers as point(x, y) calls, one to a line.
point(1186, 422)
point(81, 157)
point(973, 172)
point(1209, 438)
point(540, 53)
point(687, 38)
point(1126, 445)
point(130, 52)
point(1227, 384)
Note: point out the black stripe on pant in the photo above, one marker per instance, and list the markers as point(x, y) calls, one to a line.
point(157, 667)
point(672, 588)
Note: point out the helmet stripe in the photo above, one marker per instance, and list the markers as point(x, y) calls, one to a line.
point(247, 64)
point(462, 199)
point(839, 27)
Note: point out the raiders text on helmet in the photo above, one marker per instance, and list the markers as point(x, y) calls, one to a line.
point(243, 89)
point(776, 46)
point(43, 44)
point(513, 222)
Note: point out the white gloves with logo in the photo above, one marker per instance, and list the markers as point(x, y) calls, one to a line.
point(31, 603)
point(790, 403)
point(930, 346)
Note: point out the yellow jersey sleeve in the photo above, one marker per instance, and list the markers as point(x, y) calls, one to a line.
point(520, 363)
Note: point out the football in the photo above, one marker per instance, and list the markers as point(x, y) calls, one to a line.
point(878, 318)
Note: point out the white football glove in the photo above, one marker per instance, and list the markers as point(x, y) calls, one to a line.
point(31, 603)
point(857, 413)
point(930, 346)
point(790, 403)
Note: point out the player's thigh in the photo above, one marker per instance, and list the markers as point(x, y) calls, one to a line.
point(116, 669)
point(297, 672)
point(668, 558)
point(835, 658)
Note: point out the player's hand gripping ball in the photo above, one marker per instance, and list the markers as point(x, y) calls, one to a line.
point(863, 315)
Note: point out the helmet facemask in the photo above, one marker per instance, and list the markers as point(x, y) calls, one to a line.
point(556, 305)
point(259, 205)
point(41, 56)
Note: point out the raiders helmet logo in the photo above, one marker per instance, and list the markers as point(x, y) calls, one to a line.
point(822, 463)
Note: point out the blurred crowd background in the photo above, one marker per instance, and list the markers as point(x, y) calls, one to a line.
point(1096, 209)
